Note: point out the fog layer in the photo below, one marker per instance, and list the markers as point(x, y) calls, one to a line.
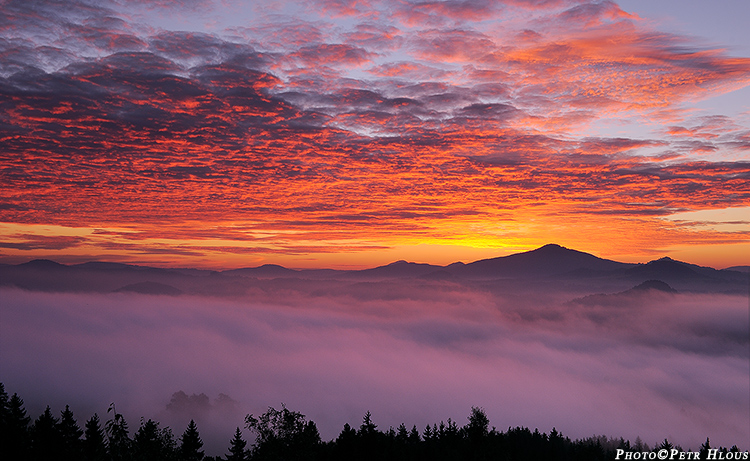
point(649, 364)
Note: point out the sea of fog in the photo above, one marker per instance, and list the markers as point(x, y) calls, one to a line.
point(654, 365)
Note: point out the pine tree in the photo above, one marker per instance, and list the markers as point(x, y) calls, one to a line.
point(427, 434)
point(71, 436)
point(46, 438)
point(402, 435)
point(705, 449)
point(18, 441)
point(368, 427)
point(94, 445)
point(4, 416)
point(665, 445)
point(190, 449)
point(237, 451)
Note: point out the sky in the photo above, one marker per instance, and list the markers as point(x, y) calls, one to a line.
point(349, 134)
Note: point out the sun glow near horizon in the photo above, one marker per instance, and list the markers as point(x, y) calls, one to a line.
point(341, 135)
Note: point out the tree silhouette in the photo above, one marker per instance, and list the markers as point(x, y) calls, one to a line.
point(151, 443)
point(4, 416)
point(117, 435)
point(94, 445)
point(18, 440)
point(345, 445)
point(478, 426)
point(705, 449)
point(46, 439)
point(71, 436)
point(237, 451)
point(191, 444)
point(283, 434)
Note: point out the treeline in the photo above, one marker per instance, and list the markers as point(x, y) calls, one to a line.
point(285, 435)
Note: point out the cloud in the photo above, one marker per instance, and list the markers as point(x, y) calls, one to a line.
point(445, 12)
point(35, 242)
point(332, 54)
point(594, 14)
point(453, 45)
point(413, 351)
point(298, 120)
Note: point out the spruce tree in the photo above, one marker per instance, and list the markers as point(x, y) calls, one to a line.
point(94, 445)
point(46, 438)
point(152, 443)
point(190, 448)
point(237, 451)
point(18, 441)
point(4, 416)
point(71, 436)
point(705, 448)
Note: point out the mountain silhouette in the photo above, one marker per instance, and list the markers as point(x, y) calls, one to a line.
point(398, 269)
point(645, 290)
point(545, 261)
point(657, 285)
point(42, 264)
point(264, 271)
point(665, 267)
point(536, 271)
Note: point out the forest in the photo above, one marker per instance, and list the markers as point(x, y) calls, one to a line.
point(283, 434)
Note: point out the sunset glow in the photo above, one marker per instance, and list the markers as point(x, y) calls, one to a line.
point(351, 134)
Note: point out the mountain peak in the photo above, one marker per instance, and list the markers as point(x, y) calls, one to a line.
point(654, 285)
point(43, 264)
point(548, 260)
point(400, 262)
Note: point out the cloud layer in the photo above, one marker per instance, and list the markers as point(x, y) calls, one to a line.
point(648, 364)
point(358, 125)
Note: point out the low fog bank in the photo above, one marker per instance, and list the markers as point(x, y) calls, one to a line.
point(651, 364)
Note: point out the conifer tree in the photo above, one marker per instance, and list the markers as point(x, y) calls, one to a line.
point(71, 436)
point(402, 435)
point(237, 451)
point(705, 449)
point(46, 438)
point(94, 445)
point(150, 443)
point(368, 427)
point(427, 434)
point(190, 448)
point(414, 435)
point(4, 416)
point(18, 441)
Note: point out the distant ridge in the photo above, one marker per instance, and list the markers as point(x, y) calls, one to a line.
point(551, 259)
point(738, 268)
point(43, 264)
point(665, 266)
point(657, 285)
point(399, 269)
point(544, 268)
point(648, 288)
point(266, 270)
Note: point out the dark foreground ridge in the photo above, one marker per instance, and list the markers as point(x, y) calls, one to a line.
point(287, 435)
